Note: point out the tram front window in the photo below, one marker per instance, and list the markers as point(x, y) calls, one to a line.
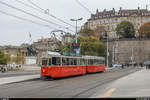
point(44, 61)
point(55, 61)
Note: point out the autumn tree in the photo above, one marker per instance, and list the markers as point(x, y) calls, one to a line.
point(3, 59)
point(125, 29)
point(90, 45)
point(145, 30)
point(86, 31)
point(18, 59)
point(66, 48)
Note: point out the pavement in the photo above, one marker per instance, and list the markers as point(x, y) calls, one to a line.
point(29, 68)
point(130, 86)
point(7, 80)
point(19, 73)
point(27, 73)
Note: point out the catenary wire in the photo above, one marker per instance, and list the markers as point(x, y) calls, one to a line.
point(83, 6)
point(24, 19)
point(31, 14)
point(43, 11)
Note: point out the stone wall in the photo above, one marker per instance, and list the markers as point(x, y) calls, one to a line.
point(121, 51)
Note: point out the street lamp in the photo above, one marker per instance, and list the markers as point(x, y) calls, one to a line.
point(76, 26)
point(106, 36)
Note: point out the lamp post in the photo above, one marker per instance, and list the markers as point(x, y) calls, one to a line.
point(106, 36)
point(76, 26)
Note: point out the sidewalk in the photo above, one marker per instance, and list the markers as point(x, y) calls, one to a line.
point(30, 68)
point(133, 85)
point(7, 80)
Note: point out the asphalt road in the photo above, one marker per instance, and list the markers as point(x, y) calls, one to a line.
point(19, 73)
point(72, 87)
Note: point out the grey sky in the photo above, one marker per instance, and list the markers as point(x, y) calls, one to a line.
point(15, 32)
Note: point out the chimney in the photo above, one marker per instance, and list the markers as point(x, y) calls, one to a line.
point(146, 7)
point(97, 11)
point(104, 11)
point(113, 10)
point(120, 8)
point(138, 9)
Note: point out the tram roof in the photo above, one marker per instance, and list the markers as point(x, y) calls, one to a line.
point(50, 53)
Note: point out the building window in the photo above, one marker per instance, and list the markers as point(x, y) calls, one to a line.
point(134, 26)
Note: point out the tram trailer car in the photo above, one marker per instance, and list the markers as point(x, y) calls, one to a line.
point(55, 65)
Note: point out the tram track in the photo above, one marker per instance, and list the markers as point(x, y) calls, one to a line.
point(100, 83)
point(71, 87)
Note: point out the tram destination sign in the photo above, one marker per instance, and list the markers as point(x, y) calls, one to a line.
point(76, 48)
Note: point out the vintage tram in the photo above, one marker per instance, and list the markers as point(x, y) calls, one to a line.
point(57, 65)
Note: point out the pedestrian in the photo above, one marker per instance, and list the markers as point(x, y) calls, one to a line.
point(122, 66)
point(146, 66)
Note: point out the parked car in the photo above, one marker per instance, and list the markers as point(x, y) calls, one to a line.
point(117, 65)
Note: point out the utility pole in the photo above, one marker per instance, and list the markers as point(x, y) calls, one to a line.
point(132, 56)
point(76, 28)
point(106, 35)
point(113, 55)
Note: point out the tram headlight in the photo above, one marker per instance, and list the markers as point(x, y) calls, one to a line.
point(44, 70)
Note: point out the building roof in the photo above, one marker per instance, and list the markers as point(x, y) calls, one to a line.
point(120, 13)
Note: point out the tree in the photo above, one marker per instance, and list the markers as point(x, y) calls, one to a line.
point(3, 59)
point(87, 31)
point(18, 59)
point(125, 29)
point(90, 45)
point(99, 31)
point(7, 56)
point(145, 30)
point(66, 48)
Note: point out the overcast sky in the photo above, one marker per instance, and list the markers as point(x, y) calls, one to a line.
point(15, 32)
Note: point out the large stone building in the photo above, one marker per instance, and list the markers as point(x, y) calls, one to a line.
point(110, 19)
point(51, 44)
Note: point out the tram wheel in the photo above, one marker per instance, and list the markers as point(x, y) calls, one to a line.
point(43, 77)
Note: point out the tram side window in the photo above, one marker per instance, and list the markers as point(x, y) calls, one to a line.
point(100, 62)
point(78, 61)
point(55, 60)
point(95, 62)
point(49, 61)
point(64, 61)
point(91, 62)
point(44, 62)
point(83, 62)
point(75, 61)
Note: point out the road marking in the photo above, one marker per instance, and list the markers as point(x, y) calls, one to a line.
point(108, 93)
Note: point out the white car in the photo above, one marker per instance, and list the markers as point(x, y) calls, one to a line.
point(117, 65)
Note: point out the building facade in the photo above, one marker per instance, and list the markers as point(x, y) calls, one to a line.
point(68, 39)
point(110, 19)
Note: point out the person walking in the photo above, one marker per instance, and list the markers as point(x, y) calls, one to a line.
point(146, 66)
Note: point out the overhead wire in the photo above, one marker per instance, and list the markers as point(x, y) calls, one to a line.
point(31, 14)
point(44, 11)
point(35, 4)
point(83, 6)
point(24, 19)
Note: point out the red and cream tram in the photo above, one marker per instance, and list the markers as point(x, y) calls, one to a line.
point(55, 65)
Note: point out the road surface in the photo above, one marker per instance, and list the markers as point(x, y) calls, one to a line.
point(73, 87)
